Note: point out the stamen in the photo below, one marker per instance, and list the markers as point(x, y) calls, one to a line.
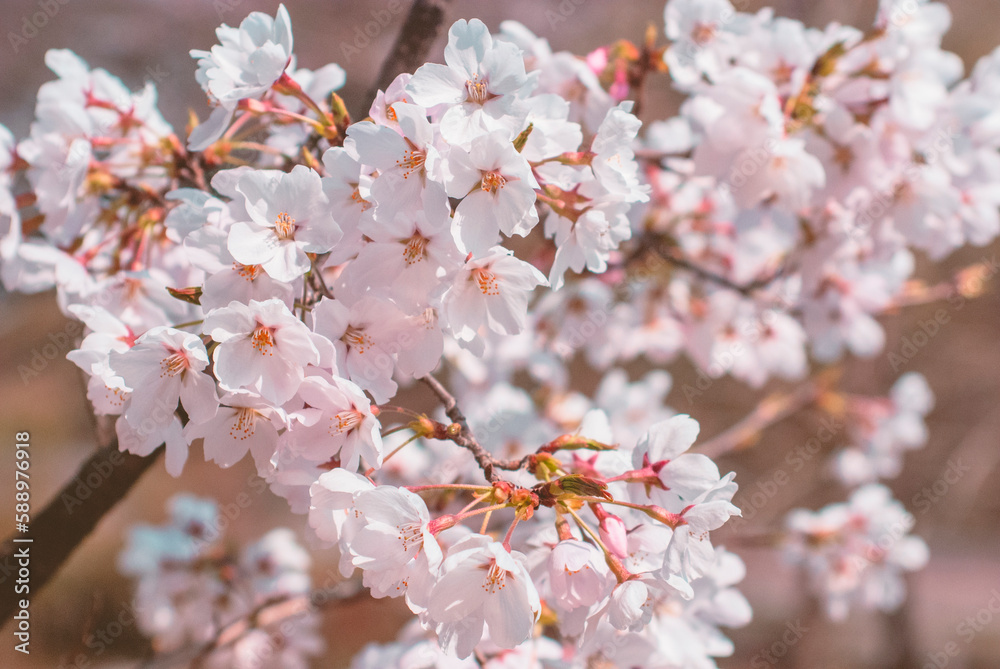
point(496, 578)
point(245, 423)
point(263, 340)
point(345, 421)
point(356, 339)
point(413, 159)
point(703, 33)
point(487, 280)
point(285, 226)
point(356, 196)
point(248, 272)
point(173, 364)
point(410, 536)
point(477, 90)
point(492, 181)
point(415, 249)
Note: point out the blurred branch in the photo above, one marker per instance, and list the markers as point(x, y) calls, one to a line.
point(772, 409)
point(420, 29)
point(898, 637)
point(284, 609)
point(67, 520)
point(661, 248)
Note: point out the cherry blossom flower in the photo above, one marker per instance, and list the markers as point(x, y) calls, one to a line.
point(490, 291)
point(393, 544)
point(481, 83)
point(497, 190)
point(244, 422)
point(262, 347)
point(482, 583)
point(336, 424)
point(290, 217)
point(246, 63)
point(163, 366)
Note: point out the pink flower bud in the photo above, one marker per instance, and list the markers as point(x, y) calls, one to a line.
point(614, 535)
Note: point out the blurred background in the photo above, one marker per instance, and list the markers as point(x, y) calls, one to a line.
point(144, 39)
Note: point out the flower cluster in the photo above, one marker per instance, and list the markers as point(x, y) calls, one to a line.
point(619, 548)
point(790, 192)
point(856, 552)
point(884, 429)
point(190, 589)
point(268, 287)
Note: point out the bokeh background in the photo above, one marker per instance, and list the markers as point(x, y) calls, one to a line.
point(147, 39)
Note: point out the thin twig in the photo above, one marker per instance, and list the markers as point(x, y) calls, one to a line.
point(317, 275)
point(466, 439)
point(653, 243)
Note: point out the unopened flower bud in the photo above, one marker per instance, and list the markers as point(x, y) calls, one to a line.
point(614, 535)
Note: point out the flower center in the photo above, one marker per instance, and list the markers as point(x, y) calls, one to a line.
point(285, 226)
point(173, 364)
point(496, 578)
point(703, 33)
point(262, 340)
point(492, 181)
point(114, 396)
point(243, 424)
point(345, 421)
point(487, 280)
point(410, 535)
point(356, 196)
point(477, 90)
point(248, 272)
point(356, 339)
point(133, 289)
point(413, 159)
point(415, 249)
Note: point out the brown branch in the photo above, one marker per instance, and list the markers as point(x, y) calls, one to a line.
point(420, 29)
point(100, 483)
point(316, 275)
point(702, 273)
point(466, 439)
point(652, 243)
